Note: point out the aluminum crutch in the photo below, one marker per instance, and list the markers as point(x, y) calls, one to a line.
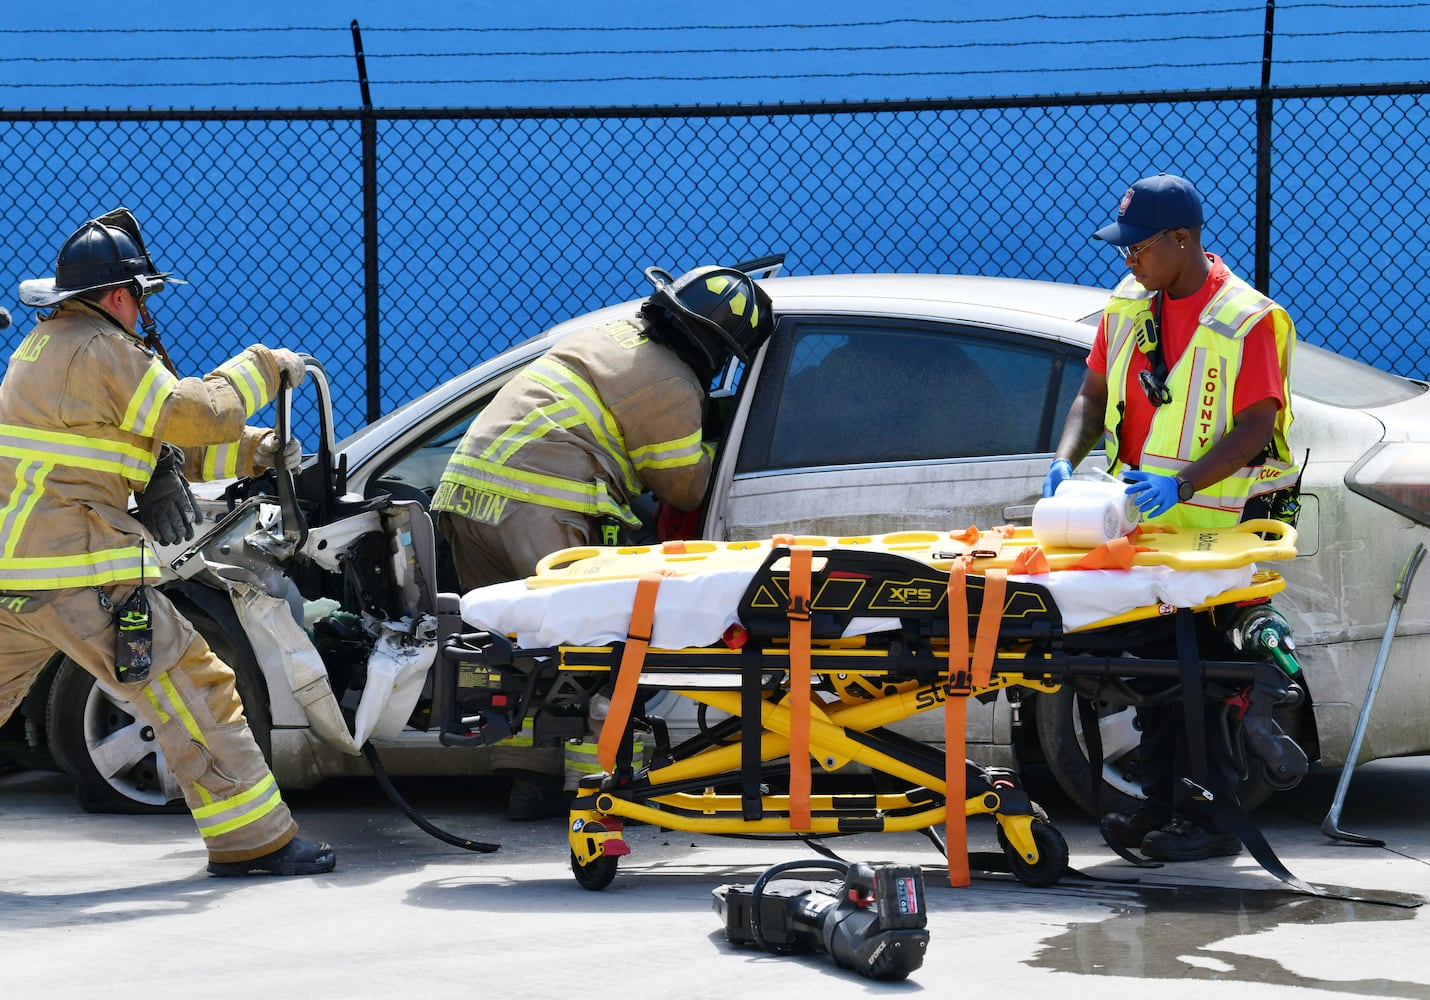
point(1402, 590)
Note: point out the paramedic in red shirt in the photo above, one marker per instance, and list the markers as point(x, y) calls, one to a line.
point(1188, 387)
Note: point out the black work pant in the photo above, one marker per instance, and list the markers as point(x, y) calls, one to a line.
point(1166, 760)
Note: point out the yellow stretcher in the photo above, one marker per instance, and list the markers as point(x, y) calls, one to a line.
point(802, 688)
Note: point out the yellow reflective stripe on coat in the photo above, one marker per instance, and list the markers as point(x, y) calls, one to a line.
point(237, 811)
point(76, 451)
point(670, 454)
point(142, 415)
point(220, 461)
point(583, 497)
point(29, 488)
point(87, 569)
point(248, 381)
point(577, 404)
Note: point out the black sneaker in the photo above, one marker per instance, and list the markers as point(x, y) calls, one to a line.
point(537, 796)
point(297, 857)
point(1128, 831)
point(1183, 840)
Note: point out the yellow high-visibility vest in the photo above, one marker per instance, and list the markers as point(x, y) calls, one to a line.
point(1203, 384)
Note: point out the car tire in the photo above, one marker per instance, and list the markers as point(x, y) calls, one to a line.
point(1060, 737)
point(115, 762)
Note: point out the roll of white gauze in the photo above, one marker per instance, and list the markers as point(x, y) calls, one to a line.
point(1084, 514)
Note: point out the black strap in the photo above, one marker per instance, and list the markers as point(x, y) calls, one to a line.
point(1092, 738)
point(1223, 803)
point(751, 730)
point(1157, 356)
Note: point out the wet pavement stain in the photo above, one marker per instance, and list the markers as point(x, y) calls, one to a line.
point(1171, 933)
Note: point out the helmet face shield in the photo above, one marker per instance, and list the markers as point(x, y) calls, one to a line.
point(719, 310)
point(103, 253)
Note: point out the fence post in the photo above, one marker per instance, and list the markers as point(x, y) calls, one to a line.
point(371, 304)
point(1263, 160)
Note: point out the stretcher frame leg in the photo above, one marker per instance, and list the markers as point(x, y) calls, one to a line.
point(839, 733)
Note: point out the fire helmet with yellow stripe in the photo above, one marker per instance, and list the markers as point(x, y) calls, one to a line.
point(717, 311)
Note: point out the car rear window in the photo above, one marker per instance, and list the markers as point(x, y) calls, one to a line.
point(1329, 378)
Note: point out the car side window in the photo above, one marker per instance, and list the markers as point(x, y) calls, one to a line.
point(834, 393)
point(417, 471)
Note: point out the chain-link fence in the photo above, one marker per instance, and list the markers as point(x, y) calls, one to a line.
point(402, 246)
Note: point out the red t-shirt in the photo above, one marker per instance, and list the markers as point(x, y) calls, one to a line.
point(1259, 377)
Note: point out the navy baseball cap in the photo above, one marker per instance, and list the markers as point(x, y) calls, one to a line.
point(1151, 205)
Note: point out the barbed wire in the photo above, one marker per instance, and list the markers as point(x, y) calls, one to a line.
point(822, 26)
point(724, 77)
point(642, 48)
point(721, 51)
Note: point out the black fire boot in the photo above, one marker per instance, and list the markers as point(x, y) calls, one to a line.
point(1128, 831)
point(297, 857)
point(1183, 840)
point(537, 796)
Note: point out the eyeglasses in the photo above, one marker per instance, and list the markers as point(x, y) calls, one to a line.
point(1135, 253)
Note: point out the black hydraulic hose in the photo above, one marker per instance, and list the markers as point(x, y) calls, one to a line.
point(385, 783)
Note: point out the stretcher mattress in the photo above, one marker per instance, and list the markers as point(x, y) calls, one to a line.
point(584, 596)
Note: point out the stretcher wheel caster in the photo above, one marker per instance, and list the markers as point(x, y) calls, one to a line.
point(1052, 856)
point(596, 874)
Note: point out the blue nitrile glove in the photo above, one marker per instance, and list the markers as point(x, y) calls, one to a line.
point(1060, 470)
point(1153, 494)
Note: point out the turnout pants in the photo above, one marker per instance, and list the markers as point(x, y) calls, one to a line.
point(189, 699)
point(486, 553)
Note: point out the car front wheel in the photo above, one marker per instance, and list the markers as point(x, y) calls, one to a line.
point(115, 761)
point(1060, 737)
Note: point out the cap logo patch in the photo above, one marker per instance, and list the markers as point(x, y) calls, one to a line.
point(1126, 200)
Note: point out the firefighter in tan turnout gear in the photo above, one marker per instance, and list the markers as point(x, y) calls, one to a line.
point(89, 414)
point(556, 457)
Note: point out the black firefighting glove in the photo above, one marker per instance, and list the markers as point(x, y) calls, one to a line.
point(167, 507)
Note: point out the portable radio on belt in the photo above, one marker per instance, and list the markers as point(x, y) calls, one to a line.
point(610, 530)
point(134, 643)
point(134, 634)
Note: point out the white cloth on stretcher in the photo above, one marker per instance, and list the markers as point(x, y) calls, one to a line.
point(695, 610)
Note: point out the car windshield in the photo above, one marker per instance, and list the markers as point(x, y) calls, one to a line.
point(1329, 378)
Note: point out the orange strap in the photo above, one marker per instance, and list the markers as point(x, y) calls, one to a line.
point(629, 673)
point(1117, 553)
point(955, 818)
point(990, 543)
point(800, 562)
point(1031, 561)
point(985, 647)
point(955, 721)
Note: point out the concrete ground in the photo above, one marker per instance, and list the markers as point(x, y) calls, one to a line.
point(119, 906)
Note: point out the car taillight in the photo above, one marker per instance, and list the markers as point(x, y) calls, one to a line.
point(1397, 476)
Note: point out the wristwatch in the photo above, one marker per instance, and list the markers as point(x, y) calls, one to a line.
point(1184, 489)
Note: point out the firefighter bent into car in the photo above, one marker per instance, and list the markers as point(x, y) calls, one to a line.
point(90, 411)
point(556, 457)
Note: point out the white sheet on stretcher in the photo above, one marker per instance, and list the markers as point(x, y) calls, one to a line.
point(696, 610)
